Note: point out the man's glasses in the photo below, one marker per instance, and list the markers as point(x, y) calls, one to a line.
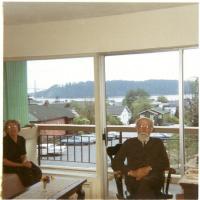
point(144, 126)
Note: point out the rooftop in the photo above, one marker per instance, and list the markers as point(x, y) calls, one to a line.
point(49, 112)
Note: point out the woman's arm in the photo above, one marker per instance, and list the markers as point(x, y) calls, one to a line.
point(9, 163)
point(24, 158)
point(25, 161)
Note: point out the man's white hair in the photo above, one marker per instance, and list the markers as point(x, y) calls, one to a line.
point(144, 118)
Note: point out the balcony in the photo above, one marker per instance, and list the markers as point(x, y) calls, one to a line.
point(78, 159)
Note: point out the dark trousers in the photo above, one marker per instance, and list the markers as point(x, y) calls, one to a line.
point(28, 176)
point(147, 188)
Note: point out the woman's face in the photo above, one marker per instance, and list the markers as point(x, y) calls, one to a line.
point(12, 129)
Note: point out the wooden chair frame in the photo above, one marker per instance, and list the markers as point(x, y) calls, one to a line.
point(111, 151)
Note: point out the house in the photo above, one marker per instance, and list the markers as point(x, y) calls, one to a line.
point(156, 114)
point(51, 114)
point(31, 100)
point(171, 106)
point(121, 112)
point(172, 109)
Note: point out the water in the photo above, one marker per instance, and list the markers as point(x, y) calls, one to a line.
point(116, 99)
point(169, 97)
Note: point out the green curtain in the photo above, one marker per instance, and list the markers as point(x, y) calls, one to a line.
point(15, 102)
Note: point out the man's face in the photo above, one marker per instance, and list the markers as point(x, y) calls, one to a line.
point(144, 127)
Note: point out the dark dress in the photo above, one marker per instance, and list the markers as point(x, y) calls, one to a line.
point(13, 152)
point(136, 155)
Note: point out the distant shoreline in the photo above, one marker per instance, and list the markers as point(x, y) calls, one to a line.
point(116, 99)
point(115, 89)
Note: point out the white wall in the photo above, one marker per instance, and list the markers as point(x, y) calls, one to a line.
point(30, 134)
point(164, 28)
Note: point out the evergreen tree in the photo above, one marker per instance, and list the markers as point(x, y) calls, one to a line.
point(141, 104)
point(81, 120)
point(192, 105)
point(162, 99)
point(133, 95)
point(111, 120)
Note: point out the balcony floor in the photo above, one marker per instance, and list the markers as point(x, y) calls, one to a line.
point(173, 189)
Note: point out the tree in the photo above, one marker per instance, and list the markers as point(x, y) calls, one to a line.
point(170, 119)
point(84, 109)
point(81, 120)
point(137, 101)
point(162, 99)
point(192, 105)
point(67, 105)
point(88, 111)
point(140, 105)
point(111, 120)
point(133, 95)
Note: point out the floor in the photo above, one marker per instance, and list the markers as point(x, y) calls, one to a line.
point(173, 189)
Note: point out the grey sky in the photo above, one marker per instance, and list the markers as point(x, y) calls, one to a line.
point(45, 73)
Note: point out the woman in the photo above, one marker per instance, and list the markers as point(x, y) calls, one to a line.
point(14, 155)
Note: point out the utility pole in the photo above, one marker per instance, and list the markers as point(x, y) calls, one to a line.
point(35, 88)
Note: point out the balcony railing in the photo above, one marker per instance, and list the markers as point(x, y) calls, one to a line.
point(81, 149)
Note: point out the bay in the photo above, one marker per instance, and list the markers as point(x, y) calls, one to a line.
point(115, 99)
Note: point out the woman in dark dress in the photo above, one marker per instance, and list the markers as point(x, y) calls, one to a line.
point(14, 155)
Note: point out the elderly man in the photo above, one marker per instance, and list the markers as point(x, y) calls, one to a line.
point(146, 159)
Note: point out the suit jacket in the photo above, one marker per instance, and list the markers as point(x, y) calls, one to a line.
point(133, 155)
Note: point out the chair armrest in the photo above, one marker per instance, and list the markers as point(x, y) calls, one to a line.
point(119, 183)
point(170, 171)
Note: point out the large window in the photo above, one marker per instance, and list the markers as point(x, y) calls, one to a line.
point(143, 84)
point(65, 82)
point(191, 101)
point(61, 91)
point(146, 84)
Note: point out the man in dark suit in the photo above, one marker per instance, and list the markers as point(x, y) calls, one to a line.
point(146, 159)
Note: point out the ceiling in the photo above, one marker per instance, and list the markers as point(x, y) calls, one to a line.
point(16, 13)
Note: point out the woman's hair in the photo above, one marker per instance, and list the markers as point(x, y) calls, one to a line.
point(9, 122)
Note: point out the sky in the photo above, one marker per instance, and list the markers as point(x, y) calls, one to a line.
point(42, 74)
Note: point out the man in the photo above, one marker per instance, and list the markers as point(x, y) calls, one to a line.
point(146, 159)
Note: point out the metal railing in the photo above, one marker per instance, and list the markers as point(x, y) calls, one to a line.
point(73, 148)
point(76, 148)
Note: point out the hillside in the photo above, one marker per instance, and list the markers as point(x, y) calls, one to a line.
point(113, 88)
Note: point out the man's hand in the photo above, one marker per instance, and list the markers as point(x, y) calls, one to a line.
point(140, 172)
point(27, 164)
